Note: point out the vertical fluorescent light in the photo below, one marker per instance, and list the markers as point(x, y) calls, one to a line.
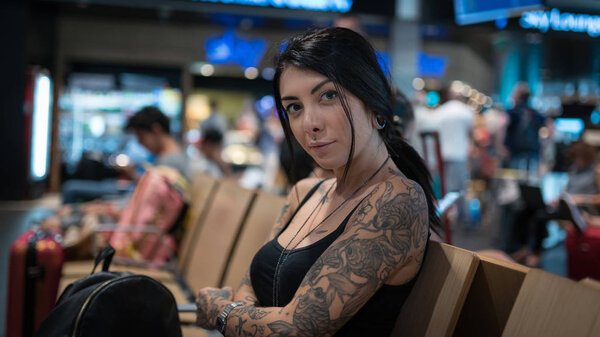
point(41, 127)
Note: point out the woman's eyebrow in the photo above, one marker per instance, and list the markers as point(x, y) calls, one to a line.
point(322, 83)
point(319, 85)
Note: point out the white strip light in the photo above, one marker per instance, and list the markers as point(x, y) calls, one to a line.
point(42, 105)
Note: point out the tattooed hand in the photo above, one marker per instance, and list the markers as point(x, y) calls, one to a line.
point(211, 302)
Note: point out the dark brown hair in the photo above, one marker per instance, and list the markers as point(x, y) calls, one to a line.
point(349, 61)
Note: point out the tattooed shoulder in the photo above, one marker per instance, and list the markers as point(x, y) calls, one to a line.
point(396, 214)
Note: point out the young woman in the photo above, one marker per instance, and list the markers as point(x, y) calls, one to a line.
point(343, 256)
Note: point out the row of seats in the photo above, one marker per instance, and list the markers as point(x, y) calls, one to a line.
point(461, 293)
point(226, 225)
point(458, 293)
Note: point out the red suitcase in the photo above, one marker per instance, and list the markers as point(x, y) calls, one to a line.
point(583, 250)
point(35, 267)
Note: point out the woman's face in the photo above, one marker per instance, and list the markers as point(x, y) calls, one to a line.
point(318, 120)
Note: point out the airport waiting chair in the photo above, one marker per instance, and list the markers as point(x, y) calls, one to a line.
point(211, 248)
point(255, 230)
point(257, 227)
point(491, 297)
point(435, 302)
point(549, 305)
point(590, 282)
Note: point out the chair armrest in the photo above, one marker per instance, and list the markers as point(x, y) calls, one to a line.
point(127, 228)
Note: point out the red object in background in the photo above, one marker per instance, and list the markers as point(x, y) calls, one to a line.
point(440, 169)
point(583, 251)
point(35, 267)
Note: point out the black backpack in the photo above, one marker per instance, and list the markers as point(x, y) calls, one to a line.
point(113, 304)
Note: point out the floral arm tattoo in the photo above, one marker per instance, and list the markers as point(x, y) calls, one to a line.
point(389, 230)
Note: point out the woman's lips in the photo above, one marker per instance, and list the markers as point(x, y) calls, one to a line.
point(320, 146)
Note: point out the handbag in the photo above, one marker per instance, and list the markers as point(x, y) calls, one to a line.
point(113, 304)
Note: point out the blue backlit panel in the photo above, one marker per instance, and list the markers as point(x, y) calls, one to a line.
point(567, 22)
point(342, 6)
point(230, 48)
point(475, 11)
point(431, 65)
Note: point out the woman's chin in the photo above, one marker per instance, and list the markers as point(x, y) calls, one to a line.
point(329, 164)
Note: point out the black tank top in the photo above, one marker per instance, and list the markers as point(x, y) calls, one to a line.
point(376, 318)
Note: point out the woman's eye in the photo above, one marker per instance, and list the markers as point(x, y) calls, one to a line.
point(329, 95)
point(292, 108)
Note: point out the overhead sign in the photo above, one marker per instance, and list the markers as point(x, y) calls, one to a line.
point(567, 22)
point(431, 65)
point(230, 48)
point(316, 5)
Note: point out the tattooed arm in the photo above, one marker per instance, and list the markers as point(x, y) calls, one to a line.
point(245, 292)
point(384, 238)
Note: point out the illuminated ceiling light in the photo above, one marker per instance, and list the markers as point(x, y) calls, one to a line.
point(418, 84)
point(595, 117)
point(238, 157)
point(122, 160)
point(42, 105)
point(457, 86)
point(466, 90)
point(251, 73)
point(207, 70)
point(488, 102)
point(97, 125)
point(432, 99)
point(268, 73)
point(193, 136)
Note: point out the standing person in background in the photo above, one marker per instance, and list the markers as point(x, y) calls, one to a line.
point(346, 251)
point(456, 120)
point(521, 143)
point(215, 120)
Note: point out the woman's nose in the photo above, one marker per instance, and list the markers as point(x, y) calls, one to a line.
point(312, 121)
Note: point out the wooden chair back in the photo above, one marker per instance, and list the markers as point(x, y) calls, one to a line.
point(202, 192)
point(211, 248)
point(549, 305)
point(435, 302)
point(491, 297)
point(590, 282)
point(256, 229)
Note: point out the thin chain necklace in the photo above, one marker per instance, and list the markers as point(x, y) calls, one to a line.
point(287, 252)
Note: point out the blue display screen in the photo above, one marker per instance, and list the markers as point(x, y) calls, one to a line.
point(431, 65)
point(474, 11)
point(342, 6)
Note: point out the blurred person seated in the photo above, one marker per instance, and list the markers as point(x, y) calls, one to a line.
point(583, 187)
point(209, 160)
point(167, 178)
point(152, 129)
